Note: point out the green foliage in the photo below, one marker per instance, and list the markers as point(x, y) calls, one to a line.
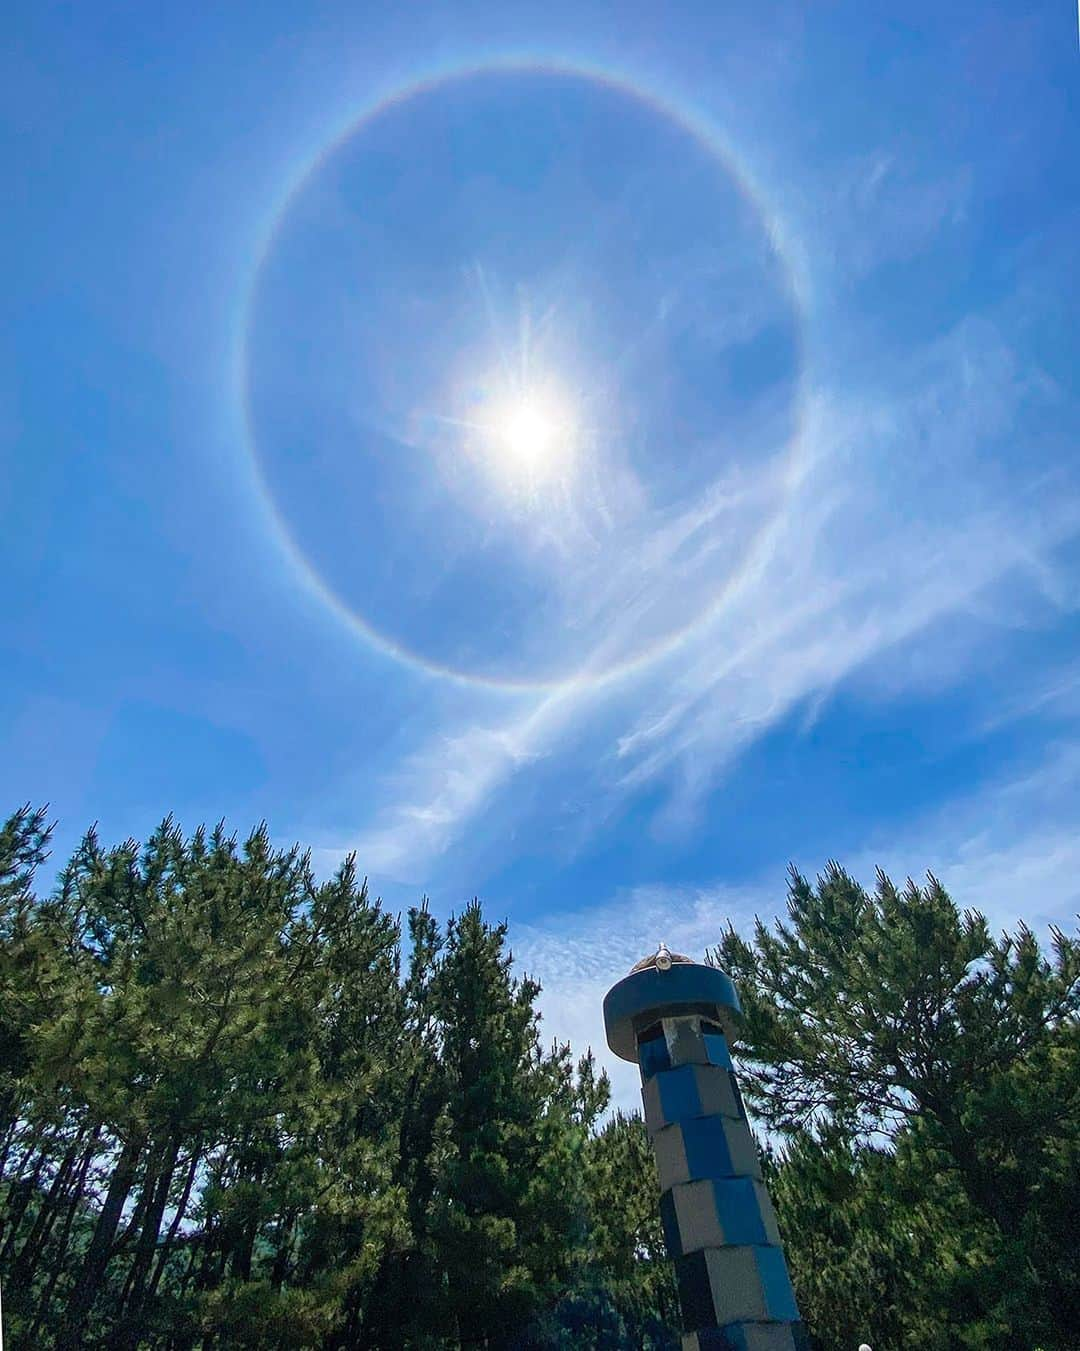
point(894, 1018)
point(629, 1261)
point(228, 1117)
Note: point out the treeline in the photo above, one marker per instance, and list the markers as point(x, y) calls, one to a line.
point(242, 1107)
point(231, 1114)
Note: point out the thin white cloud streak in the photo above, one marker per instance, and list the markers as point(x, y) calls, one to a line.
point(882, 538)
point(807, 647)
point(442, 786)
point(881, 208)
point(1054, 695)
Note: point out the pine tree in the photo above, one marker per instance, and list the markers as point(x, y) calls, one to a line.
point(507, 1152)
point(895, 1017)
point(628, 1270)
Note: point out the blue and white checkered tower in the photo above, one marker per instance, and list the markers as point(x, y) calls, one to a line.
point(674, 1017)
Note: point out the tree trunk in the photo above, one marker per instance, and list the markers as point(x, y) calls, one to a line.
point(189, 1271)
point(281, 1257)
point(148, 1237)
point(245, 1250)
point(177, 1220)
point(9, 1140)
point(30, 1252)
point(100, 1249)
point(23, 1190)
point(57, 1261)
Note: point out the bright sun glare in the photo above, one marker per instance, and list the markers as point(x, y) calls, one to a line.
point(529, 434)
point(528, 440)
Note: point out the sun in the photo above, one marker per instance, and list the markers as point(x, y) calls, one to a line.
point(528, 440)
point(529, 434)
point(524, 436)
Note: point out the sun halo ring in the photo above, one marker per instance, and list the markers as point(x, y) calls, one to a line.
point(706, 135)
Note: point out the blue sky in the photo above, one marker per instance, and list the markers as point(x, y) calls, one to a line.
point(583, 456)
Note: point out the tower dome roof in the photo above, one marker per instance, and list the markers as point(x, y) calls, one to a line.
point(666, 985)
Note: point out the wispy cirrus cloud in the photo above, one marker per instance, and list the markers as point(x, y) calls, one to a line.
point(1009, 849)
point(881, 207)
point(440, 788)
point(894, 517)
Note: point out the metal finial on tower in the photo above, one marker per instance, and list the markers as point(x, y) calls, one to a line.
point(663, 959)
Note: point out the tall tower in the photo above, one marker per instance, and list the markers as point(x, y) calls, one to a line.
point(674, 1017)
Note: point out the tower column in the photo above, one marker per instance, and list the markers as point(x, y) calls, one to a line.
point(674, 1018)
